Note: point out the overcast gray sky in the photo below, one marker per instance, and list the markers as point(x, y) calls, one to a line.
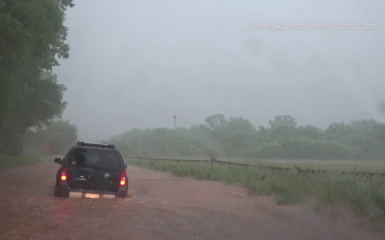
point(136, 64)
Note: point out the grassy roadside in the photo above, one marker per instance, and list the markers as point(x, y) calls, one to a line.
point(8, 162)
point(333, 165)
point(366, 196)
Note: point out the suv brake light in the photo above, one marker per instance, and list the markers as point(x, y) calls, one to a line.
point(64, 174)
point(123, 179)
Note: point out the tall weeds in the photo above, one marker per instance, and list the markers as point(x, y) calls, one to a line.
point(365, 195)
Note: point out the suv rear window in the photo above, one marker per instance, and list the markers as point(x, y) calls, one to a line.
point(106, 161)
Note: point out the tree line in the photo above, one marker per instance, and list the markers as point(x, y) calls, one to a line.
point(237, 137)
point(32, 39)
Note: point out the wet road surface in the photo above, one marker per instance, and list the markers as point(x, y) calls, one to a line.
point(160, 206)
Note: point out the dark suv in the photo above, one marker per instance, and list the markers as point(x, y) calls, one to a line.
point(92, 170)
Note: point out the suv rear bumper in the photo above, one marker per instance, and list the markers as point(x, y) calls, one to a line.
point(65, 191)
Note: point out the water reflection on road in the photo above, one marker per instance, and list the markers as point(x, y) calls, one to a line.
point(160, 206)
point(62, 213)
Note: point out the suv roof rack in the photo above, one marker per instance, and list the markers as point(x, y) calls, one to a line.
point(99, 145)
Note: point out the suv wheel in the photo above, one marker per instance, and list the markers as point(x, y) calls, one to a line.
point(57, 193)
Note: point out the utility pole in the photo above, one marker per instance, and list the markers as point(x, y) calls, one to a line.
point(173, 156)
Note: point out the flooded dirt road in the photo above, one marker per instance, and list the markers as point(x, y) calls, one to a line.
point(160, 207)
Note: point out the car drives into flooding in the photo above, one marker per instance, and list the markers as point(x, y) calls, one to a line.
point(92, 170)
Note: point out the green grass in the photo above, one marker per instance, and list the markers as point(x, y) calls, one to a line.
point(365, 195)
point(377, 166)
point(339, 165)
point(8, 162)
point(334, 165)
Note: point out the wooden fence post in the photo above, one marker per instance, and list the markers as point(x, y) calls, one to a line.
point(300, 171)
point(168, 162)
point(211, 161)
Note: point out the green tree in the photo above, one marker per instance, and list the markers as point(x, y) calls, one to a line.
point(237, 137)
point(36, 105)
point(32, 37)
point(285, 120)
point(310, 132)
point(215, 121)
point(237, 133)
point(283, 127)
point(60, 135)
point(54, 138)
point(31, 33)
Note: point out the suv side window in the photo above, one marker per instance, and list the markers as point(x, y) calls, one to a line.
point(67, 156)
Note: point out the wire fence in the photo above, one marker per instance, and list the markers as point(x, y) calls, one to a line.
point(299, 170)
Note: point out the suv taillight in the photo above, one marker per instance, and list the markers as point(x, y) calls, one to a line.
point(64, 174)
point(123, 179)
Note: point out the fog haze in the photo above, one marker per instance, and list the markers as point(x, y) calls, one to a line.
point(136, 64)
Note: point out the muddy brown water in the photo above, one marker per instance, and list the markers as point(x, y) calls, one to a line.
point(160, 206)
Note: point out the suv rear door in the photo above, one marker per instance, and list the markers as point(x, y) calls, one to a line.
point(95, 169)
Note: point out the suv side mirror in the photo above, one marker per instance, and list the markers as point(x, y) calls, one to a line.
point(58, 161)
point(125, 165)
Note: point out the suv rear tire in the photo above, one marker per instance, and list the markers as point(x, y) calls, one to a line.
point(57, 193)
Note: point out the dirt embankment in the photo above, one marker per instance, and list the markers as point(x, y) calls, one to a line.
point(160, 207)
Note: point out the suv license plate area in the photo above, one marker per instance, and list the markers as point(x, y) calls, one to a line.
point(91, 195)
